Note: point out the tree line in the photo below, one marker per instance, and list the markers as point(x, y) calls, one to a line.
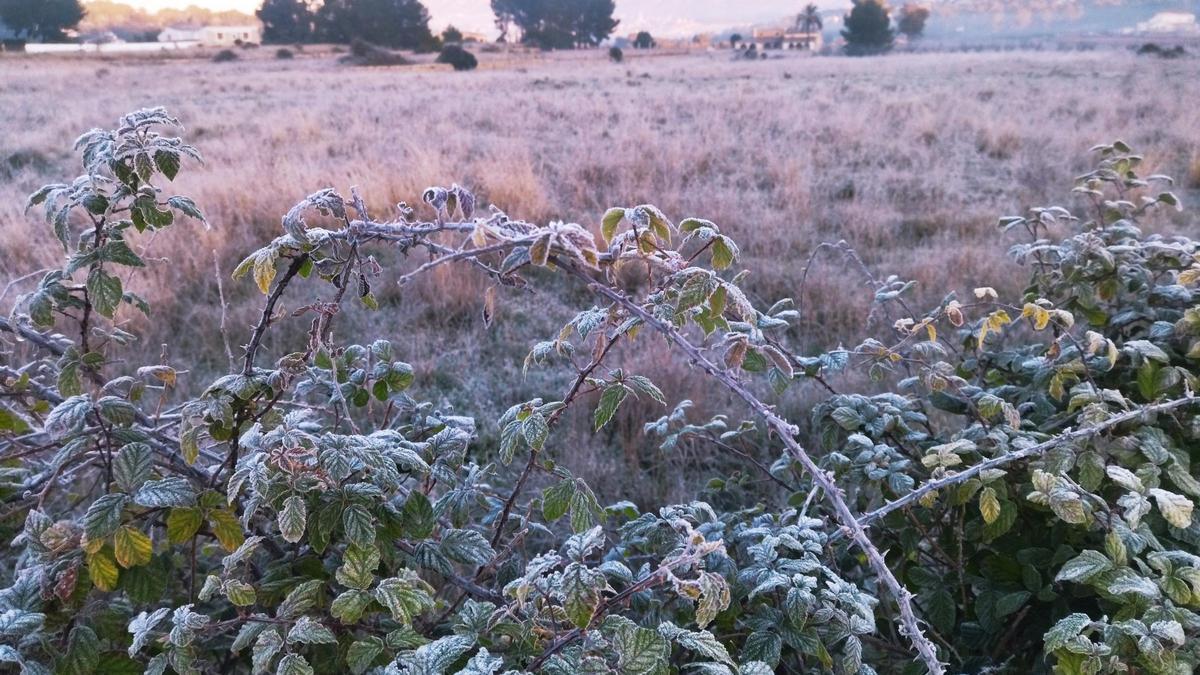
point(404, 24)
point(547, 24)
point(401, 24)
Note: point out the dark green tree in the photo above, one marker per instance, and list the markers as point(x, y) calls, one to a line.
point(452, 36)
point(288, 21)
point(735, 39)
point(41, 19)
point(643, 41)
point(809, 21)
point(912, 20)
point(557, 24)
point(868, 28)
point(400, 24)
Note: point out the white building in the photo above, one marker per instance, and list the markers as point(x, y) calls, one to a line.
point(213, 36)
point(782, 38)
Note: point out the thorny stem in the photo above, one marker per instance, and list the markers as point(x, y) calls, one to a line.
point(1032, 451)
point(268, 311)
point(910, 625)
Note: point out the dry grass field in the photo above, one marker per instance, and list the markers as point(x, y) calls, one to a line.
point(909, 158)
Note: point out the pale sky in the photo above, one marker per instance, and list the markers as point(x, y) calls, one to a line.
point(663, 17)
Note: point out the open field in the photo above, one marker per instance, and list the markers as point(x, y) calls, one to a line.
point(910, 159)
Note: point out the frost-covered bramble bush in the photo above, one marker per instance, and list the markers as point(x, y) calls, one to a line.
point(1021, 499)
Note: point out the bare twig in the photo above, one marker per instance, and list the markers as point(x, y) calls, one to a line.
point(224, 310)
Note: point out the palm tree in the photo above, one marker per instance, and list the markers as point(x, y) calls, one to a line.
point(809, 21)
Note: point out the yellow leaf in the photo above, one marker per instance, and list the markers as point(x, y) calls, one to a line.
point(932, 332)
point(989, 505)
point(132, 547)
point(1041, 319)
point(226, 527)
point(264, 272)
point(182, 523)
point(928, 499)
point(103, 570)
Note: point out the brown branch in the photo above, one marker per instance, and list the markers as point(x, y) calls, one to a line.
point(269, 310)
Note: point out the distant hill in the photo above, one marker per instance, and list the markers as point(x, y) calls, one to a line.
point(985, 20)
point(1016, 18)
point(130, 23)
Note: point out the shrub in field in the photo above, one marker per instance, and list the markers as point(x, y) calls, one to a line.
point(457, 57)
point(616, 54)
point(225, 56)
point(363, 53)
point(1021, 496)
point(284, 54)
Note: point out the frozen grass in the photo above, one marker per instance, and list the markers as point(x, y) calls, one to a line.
point(909, 158)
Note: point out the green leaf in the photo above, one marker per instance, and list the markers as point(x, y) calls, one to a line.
point(556, 499)
point(467, 547)
point(293, 664)
point(583, 508)
point(762, 646)
point(10, 422)
point(640, 651)
point(405, 596)
point(362, 654)
point(940, 609)
point(701, 642)
point(117, 251)
point(610, 222)
point(18, 622)
point(724, 251)
point(535, 430)
point(299, 600)
point(610, 400)
point(349, 606)
point(183, 523)
point(358, 523)
point(83, 652)
point(308, 631)
point(141, 626)
point(292, 519)
point(240, 593)
point(132, 466)
point(168, 163)
point(67, 417)
point(417, 517)
point(104, 292)
point(1084, 566)
point(581, 589)
point(266, 647)
point(173, 491)
point(103, 517)
point(358, 566)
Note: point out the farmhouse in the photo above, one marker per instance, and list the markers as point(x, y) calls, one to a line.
point(782, 38)
point(213, 36)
